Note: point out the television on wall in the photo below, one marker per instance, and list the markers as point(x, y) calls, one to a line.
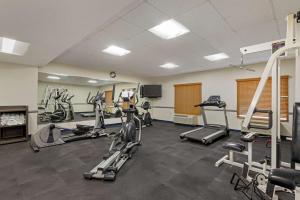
point(150, 91)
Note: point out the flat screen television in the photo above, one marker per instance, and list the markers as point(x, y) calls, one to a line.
point(150, 91)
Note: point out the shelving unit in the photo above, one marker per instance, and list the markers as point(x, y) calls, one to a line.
point(14, 133)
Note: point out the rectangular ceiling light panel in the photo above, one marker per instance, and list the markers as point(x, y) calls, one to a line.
point(169, 29)
point(53, 77)
point(169, 65)
point(216, 57)
point(14, 47)
point(115, 50)
point(92, 81)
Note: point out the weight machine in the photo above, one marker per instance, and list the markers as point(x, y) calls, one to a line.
point(282, 49)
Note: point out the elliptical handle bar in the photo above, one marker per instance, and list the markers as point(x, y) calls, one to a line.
point(91, 99)
point(70, 97)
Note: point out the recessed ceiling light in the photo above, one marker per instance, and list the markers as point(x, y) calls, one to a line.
point(215, 57)
point(169, 65)
point(92, 81)
point(59, 74)
point(169, 29)
point(53, 77)
point(8, 45)
point(11, 46)
point(115, 50)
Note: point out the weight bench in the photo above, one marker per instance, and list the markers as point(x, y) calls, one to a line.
point(238, 148)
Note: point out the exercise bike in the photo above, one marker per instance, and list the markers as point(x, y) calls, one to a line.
point(52, 134)
point(123, 144)
point(145, 117)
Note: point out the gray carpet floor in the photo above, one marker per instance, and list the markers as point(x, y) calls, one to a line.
point(163, 168)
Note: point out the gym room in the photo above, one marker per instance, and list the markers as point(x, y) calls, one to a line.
point(150, 100)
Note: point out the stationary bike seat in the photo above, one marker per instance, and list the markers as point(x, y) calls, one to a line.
point(234, 146)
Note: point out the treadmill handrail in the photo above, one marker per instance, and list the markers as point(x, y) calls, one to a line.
point(219, 104)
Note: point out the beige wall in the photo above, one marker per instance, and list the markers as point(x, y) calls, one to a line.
point(18, 86)
point(217, 82)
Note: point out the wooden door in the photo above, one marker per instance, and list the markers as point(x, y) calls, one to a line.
point(108, 100)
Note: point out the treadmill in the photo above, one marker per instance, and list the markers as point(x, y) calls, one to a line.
point(208, 133)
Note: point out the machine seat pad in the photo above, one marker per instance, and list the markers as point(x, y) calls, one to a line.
point(287, 178)
point(245, 138)
point(234, 146)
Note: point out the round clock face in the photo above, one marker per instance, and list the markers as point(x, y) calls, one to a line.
point(113, 74)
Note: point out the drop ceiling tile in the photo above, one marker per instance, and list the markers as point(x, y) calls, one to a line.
point(258, 57)
point(208, 24)
point(259, 33)
point(283, 8)
point(175, 7)
point(145, 16)
point(184, 46)
point(240, 14)
point(282, 28)
point(120, 30)
point(143, 39)
point(111, 35)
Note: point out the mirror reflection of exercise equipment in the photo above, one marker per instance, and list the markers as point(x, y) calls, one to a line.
point(52, 134)
point(60, 112)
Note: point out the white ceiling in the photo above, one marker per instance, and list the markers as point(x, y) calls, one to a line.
point(53, 26)
point(75, 32)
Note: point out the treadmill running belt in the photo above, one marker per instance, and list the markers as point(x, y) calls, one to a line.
point(207, 134)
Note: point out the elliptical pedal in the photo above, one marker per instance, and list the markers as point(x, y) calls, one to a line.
point(109, 176)
point(88, 175)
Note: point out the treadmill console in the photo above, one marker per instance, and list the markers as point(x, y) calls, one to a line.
point(214, 99)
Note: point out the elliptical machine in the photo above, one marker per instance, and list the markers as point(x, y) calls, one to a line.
point(99, 128)
point(91, 101)
point(124, 143)
point(51, 134)
point(145, 117)
point(70, 110)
